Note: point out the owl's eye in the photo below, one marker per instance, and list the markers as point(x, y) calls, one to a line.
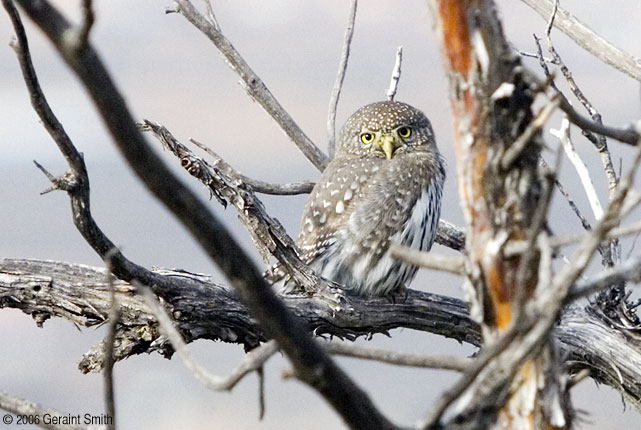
point(405, 132)
point(367, 138)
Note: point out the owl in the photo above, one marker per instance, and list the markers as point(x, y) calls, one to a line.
point(384, 185)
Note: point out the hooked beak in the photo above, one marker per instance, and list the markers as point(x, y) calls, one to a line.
point(387, 144)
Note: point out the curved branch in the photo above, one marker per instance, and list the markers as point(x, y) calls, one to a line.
point(311, 363)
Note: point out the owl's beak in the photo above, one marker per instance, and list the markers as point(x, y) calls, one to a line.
point(388, 145)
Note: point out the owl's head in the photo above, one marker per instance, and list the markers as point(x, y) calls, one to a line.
point(385, 129)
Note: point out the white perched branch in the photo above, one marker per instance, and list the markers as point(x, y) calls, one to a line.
point(563, 134)
point(396, 75)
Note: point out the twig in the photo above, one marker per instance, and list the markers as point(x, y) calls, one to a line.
point(584, 222)
point(87, 23)
point(76, 181)
point(610, 252)
point(450, 395)
point(563, 134)
point(430, 260)
point(340, 77)
point(19, 406)
point(396, 75)
point(513, 152)
point(268, 235)
point(392, 357)
point(520, 246)
point(563, 281)
point(629, 134)
point(252, 83)
point(599, 141)
point(108, 366)
point(210, 15)
point(304, 187)
point(530, 55)
point(588, 39)
point(252, 361)
point(450, 235)
point(627, 271)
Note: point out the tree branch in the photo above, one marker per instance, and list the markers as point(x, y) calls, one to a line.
point(252, 83)
point(201, 309)
point(311, 363)
point(588, 39)
point(340, 77)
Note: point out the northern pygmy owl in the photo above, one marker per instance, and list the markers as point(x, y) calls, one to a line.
point(384, 185)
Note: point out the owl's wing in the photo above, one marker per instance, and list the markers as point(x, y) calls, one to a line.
point(389, 200)
point(342, 187)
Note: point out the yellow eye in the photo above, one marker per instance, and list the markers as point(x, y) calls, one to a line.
point(367, 138)
point(405, 132)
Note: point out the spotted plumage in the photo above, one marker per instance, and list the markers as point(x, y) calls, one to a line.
point(384, 185)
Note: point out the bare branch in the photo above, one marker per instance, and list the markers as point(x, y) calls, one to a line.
point(254, 86)
point(87, 22)
point(252, 361)
point(430, 260)
point(588, 39)
point(340, 76)
point(563, 134)
point(396, 75)
point(210, 15)
point(450, 235)
point(311, 363)
point(76, 181)
point(515, 150)
point(392, 357)
point(201, 309)
point(109, 361)
point(268, 235)
point(629, 135)
point(304, 187)
point(627, 271)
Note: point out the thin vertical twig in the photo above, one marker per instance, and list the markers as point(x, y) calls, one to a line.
point(611, 251)
point(340, 77)
point(108, 365)
point(396, 75)
point(87, 22)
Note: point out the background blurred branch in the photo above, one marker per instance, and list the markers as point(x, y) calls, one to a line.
point(588, 39)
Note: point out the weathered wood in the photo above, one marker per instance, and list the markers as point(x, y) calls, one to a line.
point(202, 309)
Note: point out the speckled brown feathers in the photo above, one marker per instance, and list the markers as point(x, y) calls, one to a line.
point(365, 199)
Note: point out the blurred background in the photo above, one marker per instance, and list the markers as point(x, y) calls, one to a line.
point(172, 74)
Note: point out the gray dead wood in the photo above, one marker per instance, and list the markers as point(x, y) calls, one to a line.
point(202, 309)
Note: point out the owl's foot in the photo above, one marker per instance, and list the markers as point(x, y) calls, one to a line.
point(400, 294)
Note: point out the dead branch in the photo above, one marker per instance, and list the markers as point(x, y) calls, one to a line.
point(396, 75)
point(311, 363)
point(588, 39)
point(397, 358)
point(340, 77)
point(252, 83)
point(202, 309)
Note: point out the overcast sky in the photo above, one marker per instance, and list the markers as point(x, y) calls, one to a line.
point(170, 73)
